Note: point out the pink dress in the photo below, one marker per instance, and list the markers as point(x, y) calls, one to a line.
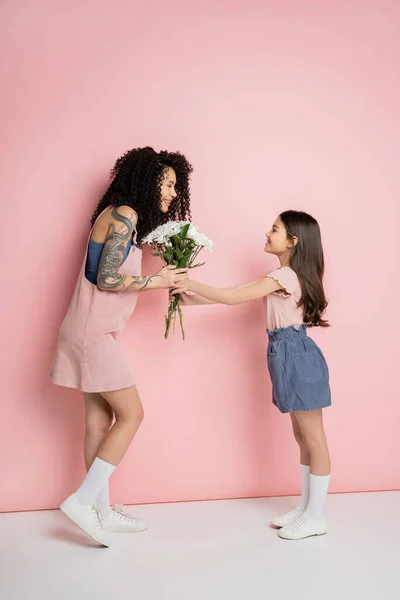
point(88, 356)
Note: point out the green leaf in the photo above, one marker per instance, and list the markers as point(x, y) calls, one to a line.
point(168, 257)
point(184, 230)
point(177, 241)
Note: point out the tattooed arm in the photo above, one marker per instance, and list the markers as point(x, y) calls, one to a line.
point(120, 231)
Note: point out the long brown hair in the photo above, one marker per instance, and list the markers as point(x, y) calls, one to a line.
point(307, 260)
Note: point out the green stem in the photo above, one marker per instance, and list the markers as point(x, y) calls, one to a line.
point(181, 321)
point(171, 318)
point(194, 255)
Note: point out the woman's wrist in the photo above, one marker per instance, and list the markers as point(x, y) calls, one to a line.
point(160, 282)
point(155, 282)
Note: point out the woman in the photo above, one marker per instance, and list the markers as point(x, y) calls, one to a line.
point(147, 189)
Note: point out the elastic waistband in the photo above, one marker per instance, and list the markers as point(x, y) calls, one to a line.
point(287, 333)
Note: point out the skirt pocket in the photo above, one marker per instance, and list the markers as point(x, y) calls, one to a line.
point(308, 366)
point(274, 360)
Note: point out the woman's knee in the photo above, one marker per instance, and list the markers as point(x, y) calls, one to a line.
point(131, 414)
point(98, 422)
point(127, 407)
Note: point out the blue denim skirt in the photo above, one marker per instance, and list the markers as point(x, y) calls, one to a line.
point(298, 370)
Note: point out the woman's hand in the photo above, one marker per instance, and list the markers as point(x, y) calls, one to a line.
point(171, 277)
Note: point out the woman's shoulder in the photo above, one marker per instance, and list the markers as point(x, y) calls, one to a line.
point(124, 211)
point(117, 216)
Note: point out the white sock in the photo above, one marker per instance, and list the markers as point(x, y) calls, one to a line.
point(318, 492)
point(96, 478)
point(305, 485)
point(103, 501)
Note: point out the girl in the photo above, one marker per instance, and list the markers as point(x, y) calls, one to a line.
point(295, 300)
point(146, 185)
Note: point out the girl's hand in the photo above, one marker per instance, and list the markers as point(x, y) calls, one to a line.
point(172, 277)
point(184, 298)
point(182, 287)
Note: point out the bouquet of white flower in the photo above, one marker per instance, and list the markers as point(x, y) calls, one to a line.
point(177, 243)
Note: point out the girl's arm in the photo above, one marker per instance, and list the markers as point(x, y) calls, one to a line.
point(122, 225)
point(192, 300)
point(237, 295)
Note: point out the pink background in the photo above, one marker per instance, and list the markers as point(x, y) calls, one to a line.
point(278, 105)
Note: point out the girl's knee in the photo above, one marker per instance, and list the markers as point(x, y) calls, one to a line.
point(314, 440)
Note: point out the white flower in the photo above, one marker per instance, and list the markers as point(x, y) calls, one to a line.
point(202, 240)
point(199, 238)
point(163, 233)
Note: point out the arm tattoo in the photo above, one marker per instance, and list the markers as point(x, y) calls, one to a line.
point(112, 257)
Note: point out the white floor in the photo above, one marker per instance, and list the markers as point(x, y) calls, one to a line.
point(208, 550)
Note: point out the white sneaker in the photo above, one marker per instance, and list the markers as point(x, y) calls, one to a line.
point(288, 518)
point(87, 518)
point(304, 526)
point(119, 521)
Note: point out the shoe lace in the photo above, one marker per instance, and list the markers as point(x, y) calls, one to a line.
point(122, 514)
point(294, 512)
point(300, 520)
point(97, 517)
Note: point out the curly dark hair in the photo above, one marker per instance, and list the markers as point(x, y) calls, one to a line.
point(136, 182)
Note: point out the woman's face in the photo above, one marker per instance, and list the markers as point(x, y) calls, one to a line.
point(168, 192)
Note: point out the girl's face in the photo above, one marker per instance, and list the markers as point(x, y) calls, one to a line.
point(168, 192)
point(277, 241)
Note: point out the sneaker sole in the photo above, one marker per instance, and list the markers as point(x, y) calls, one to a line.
point(304, 537)
point(124, 530)
point(89, 533)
